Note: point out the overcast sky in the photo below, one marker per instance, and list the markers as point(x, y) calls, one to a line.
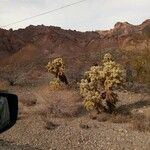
point(88, 15)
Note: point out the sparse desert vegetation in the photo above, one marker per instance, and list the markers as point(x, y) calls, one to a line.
point(53, 100)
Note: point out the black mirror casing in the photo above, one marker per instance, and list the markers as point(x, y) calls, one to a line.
point(13, 110)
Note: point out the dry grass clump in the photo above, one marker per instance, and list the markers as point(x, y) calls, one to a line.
point(84, 126)
point(63, 103)
point(50, 125)
point(29, 102)
point(27, 98)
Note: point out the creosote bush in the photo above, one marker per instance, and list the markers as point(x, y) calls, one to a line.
point(99, 83)
point(57, 67)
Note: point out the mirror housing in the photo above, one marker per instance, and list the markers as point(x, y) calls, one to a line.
point(8, 111)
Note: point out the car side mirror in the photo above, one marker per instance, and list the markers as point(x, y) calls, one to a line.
point(8, 111)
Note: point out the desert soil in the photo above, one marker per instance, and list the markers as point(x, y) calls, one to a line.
point(65, 128)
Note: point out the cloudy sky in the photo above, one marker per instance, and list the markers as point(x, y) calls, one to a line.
point(88, 15)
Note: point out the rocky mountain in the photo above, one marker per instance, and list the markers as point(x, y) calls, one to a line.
point(36, 45)
point(127, 36)
point(56, 40)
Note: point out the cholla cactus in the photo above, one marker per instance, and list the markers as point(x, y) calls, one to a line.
point(56, 67)
point(55, 85)
point(107, 58)
point(98, 84)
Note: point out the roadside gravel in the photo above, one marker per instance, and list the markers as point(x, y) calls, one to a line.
point(69, 135)
point(81, 133)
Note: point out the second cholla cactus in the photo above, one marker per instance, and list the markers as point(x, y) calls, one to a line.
point(57, 67)
point(99, 82)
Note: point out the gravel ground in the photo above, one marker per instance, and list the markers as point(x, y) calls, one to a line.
point(81, 133)
point(9, 146)
point(70, 135)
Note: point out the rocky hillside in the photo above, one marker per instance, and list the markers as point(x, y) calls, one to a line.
point(54, 40)
point(36, 45)
point(127, 36)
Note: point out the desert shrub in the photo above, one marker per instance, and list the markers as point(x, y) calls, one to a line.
point(29, 102)
point(15, 74)
point(57, 67)
point(99, 83)
point(9, 74)
point(50, 125)
point(60, 104)
point(141, 65)
point(55, 85)
point(84, 126)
